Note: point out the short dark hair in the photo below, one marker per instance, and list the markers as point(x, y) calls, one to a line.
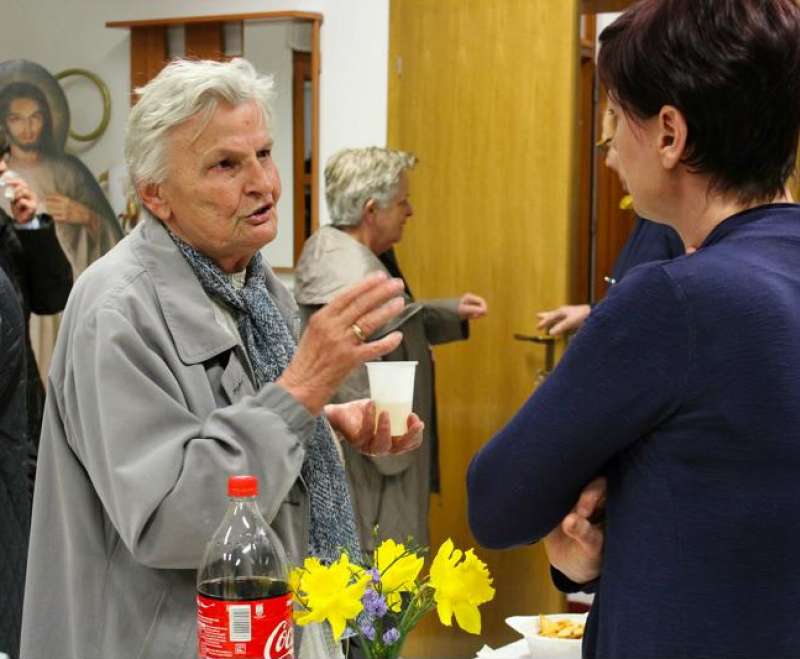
point(732, 67)
point(23, 89)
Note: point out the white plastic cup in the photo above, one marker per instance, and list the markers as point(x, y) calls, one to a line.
point(391, 386)
point(9, 192)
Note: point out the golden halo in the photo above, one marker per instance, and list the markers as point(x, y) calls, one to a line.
point(106, 95)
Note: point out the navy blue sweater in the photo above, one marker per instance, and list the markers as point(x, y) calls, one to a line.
point(683, 387)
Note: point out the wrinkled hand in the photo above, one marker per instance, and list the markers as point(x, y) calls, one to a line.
point(355, 421)
point(23, 206)
point(329, 349)
point(568, 318)
point(575, 546)
point(471, 307)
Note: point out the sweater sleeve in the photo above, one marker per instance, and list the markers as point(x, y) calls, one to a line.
point(623, 374)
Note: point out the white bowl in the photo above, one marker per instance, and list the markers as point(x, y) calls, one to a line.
point(544, 646)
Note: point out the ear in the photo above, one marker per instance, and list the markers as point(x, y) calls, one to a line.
point(370, 211)
point(673, 133)
point(152, 195)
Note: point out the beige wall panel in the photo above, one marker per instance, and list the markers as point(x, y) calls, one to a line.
point(484, 92)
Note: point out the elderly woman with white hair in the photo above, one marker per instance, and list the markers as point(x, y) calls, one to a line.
point(177, 365)
point(368, 200)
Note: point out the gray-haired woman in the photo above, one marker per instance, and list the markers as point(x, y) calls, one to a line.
point(177, 365)
point(367, 194)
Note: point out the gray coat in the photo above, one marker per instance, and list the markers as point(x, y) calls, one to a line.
point(150, 407)
point(392, 491)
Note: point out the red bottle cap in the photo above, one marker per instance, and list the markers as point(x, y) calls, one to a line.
point(242, 486)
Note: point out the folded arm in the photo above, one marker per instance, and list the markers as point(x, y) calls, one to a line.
point(621, 376)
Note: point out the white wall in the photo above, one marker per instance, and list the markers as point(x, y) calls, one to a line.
point(266, 45)
point(354, 82)
point(60, 34)
point(603, 21)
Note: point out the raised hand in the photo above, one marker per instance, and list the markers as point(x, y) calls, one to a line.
point(334, 342)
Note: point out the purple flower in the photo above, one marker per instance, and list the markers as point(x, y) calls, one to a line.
point(374, 604)
point(376, 575)
point(391, 636)
point(367, 629)
point(381, 608)
point(370, 595)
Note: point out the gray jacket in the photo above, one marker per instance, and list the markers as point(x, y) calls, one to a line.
point(150, 407)
point(391, 491)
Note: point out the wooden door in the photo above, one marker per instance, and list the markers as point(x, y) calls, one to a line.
point(485, 93)
point(584, 244)
point(612, 224)
point(603, 226)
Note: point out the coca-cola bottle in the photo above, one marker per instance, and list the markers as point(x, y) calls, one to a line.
point(244, 607)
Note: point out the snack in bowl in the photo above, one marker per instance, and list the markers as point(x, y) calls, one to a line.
point(538, 629)
point(560, 627)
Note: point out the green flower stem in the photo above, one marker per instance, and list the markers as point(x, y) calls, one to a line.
point(418, 607)
point(366, 644)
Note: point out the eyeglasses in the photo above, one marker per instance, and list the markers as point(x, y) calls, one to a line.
point(604, 145)
point(609, 129)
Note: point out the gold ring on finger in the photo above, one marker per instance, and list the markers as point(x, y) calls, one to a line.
point(358, 332)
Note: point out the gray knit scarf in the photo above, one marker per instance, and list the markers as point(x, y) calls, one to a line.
point(270, 347)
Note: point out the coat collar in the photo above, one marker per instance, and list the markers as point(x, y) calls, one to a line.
point(187, 309)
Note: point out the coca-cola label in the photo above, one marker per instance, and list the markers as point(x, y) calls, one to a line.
point(245, 629)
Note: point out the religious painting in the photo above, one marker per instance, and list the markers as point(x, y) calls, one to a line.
point(34, 126)
point(34, 121)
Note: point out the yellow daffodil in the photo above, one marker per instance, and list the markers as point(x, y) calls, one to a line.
point(460, 586)
point(458, 583)
point(399, 570)
point(331, 593)
point(311, 563)
point(296, 577)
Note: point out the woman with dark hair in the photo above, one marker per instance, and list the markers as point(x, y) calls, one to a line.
point(693, 364)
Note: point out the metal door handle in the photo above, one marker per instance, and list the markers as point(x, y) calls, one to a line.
point(549, 343)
